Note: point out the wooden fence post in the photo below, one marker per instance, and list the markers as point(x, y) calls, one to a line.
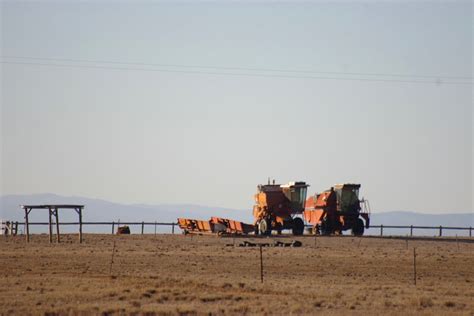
point(58, 238)
point(381, 230)
point(50, 227)
point(261, 264)
point(15, 229)
point(440, 231)
point(470, 231)
point(80, 225)
point(172, 229)
point(112, 259)
point(27, 226)
point(414, 265)
point(411, 230)
point(143, 227)
point(113, 228)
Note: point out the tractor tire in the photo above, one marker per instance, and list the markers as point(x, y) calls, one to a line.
point(264, 227)
point(255, 229)
point(317, 230)
point(298, 226)
point(358, 228)
point(324, 228)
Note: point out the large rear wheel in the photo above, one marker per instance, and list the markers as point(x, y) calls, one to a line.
point(264, 227)
point(325, 228)
point(358, 228)
point(298, 226)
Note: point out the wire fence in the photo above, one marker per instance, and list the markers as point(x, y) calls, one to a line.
point(375, 229)
point(439, 230)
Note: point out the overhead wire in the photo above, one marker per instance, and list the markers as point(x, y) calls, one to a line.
point(257, 72)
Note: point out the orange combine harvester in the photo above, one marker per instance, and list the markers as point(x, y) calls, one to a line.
point(281, 207)
point(278, 206)
point(338, 209)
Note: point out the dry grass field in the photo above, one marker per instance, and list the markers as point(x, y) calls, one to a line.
point(177, 274)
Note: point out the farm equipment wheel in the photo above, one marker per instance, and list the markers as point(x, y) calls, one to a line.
point(255, 229)
point(324, 228)
point(298, 226)
point(358, 228)
point(316, 230)
point(264, 227)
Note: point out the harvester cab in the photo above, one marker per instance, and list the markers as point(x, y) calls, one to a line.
point(277, 206)
point(338, 209)
point(347, 197)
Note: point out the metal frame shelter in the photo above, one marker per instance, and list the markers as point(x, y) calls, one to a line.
point(53, 211)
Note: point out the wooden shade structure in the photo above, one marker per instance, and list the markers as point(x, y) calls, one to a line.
point(53, 210)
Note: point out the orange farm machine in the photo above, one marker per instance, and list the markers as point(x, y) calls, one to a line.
point(338, 209)
point(278, 206)
point(281, 207)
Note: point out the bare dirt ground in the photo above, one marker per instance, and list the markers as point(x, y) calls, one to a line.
point(177, 274)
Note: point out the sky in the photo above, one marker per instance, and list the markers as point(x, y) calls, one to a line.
point(198, 102)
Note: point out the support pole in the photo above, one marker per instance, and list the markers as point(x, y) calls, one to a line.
point(411, 230)
point(381, 230)
point(50, 227)
point(113, 224)
point(261, 264)
point(440, 231)
point(414, 265)
point(15, 229)
point(27, 225)
point(57, 226)
point(143, 227)
point(172, 229)
point(470, 231)
point(155, 228)
point(79, 210)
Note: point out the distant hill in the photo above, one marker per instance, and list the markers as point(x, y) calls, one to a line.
point(419, 219)
point(101, 210)
point(404, 218)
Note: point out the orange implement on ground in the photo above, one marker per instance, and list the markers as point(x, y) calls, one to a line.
point(215, 225)
point(194, 225)
point(233, 227)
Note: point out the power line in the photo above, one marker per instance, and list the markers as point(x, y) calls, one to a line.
point(438, 81)
point(241, 68)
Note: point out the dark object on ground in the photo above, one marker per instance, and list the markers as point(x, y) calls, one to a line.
point(123, 230)
point(294, 243)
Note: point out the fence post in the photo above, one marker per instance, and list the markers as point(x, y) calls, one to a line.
point(411, 230)
point(172, 229)
point(440, 230)
point(113, 227)
point(143, 227)
point(470, 231)
point(381, 230)
point(155, 228)
point(414, 265)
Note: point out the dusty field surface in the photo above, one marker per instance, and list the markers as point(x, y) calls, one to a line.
point(177, 274)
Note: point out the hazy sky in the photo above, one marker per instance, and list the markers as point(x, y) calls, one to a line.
point(154, 102)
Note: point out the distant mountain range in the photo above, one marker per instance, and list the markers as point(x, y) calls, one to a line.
point(97, 210)
point(101, 210)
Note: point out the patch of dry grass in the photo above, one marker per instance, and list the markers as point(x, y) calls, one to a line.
point(180, 275)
